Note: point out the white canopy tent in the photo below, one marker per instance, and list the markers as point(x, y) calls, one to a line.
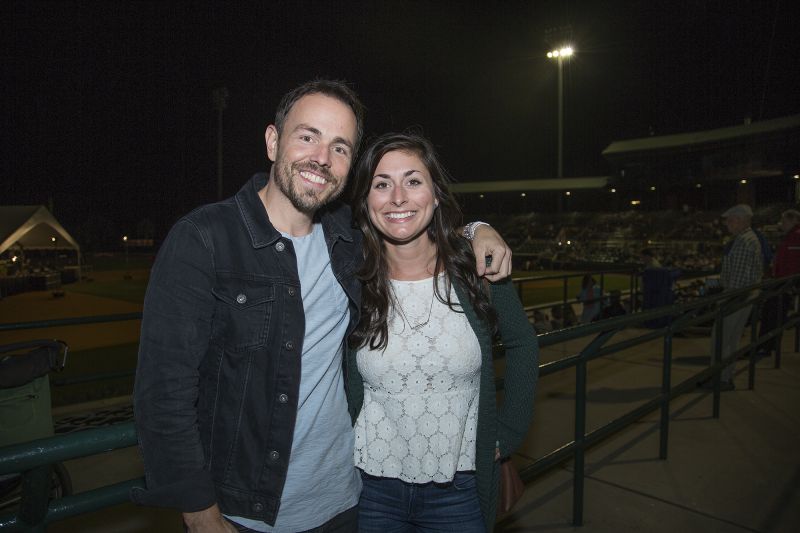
point(34, 228)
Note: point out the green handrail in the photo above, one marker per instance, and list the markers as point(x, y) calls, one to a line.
point(77, 321)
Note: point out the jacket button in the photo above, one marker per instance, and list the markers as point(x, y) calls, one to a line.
point(289, 345)
point(241, 298)
point(283, 398)
point(280, 246)
point(257, 507)
point(291, 291)
point(274, 456)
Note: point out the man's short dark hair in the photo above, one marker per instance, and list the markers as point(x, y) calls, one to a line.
point(333, 88)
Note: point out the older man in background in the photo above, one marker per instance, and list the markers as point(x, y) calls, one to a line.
point(742, 266)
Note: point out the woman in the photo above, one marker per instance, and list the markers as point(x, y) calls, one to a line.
point(591, 297)
point(420, 375)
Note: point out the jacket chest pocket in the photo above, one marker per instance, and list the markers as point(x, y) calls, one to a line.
point(244, 307)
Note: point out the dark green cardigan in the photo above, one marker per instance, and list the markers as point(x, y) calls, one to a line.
point(507, 424)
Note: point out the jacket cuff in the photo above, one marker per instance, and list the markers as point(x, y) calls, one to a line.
point(189, 495)
point(509, 440)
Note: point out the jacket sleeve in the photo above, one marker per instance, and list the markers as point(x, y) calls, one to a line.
point(176, 328)
point(522, 367)
point(354, 384)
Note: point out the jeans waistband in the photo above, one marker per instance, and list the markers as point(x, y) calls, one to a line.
point(440, 484)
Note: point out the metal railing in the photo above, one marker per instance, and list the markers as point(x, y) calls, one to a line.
point(33, 457)
point(522, 283)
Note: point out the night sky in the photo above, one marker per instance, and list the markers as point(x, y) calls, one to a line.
point(107, 106)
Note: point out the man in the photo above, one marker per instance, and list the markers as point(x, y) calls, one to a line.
point(741, 267)
point(786, 263)
point(239, 398)
point(648, 258)
point(787, 257)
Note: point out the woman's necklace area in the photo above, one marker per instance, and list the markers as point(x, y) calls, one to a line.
point(420, 325)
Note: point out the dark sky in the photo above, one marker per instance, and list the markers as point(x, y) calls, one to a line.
point(107, 106)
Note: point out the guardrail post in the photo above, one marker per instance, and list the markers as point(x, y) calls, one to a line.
point(631, 292)
point(751, 365)
point(564, 308)
point(580, 431)
point(666, 384)
point(779, 339)
point(717, 357)
point(35, 496)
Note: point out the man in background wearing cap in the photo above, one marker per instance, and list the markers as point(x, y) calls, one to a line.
point(742, 266)
point(786, 263)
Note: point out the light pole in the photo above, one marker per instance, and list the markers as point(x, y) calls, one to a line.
point(127, 267)
point(560, 55)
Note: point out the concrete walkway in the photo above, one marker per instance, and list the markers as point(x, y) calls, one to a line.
point(740, 472)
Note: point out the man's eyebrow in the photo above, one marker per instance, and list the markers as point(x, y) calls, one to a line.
point(306, 127)
point(342, 140)
point(315, 131)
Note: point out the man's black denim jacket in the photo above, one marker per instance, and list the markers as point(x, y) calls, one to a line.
point(219, 358)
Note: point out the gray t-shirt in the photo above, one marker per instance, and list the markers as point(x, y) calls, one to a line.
point(321, 481)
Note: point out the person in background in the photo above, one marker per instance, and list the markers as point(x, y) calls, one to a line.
point(591, 297)
point(429, 434)
point(541, 322)
point(614, 307)
point(785, 263)
point(570, 318)
point(741, 267)
point(557, 312)
point(648, 258)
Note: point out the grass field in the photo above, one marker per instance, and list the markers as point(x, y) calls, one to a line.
point(112, 347)
point(545, 291)
point(112, 284)
point(95, 361)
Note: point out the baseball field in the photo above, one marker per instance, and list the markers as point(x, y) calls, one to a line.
point(111, 347)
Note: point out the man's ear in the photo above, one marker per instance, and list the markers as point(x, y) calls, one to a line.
point(271, 138)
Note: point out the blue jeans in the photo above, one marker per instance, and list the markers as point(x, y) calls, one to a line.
point(389, 505)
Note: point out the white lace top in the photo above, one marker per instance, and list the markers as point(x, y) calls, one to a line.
point(420, 412)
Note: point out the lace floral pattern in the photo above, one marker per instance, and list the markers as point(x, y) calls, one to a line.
point(420, 411)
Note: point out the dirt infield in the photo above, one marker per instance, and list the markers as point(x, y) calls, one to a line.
point(42, 305)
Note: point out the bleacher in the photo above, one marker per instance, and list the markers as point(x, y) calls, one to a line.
point(691, 240)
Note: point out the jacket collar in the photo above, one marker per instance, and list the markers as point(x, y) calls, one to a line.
point(334, 218)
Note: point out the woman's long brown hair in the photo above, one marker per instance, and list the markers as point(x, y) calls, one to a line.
point(454, 255)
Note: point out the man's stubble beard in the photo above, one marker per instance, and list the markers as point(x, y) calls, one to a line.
point(304, 200)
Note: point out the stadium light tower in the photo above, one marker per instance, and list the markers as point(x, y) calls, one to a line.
point(561, 55)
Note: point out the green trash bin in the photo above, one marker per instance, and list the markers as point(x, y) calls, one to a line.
point(25, 412)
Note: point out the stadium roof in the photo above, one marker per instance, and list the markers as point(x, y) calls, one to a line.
point(560, 184)
point(33, 226)
point(701, 139)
